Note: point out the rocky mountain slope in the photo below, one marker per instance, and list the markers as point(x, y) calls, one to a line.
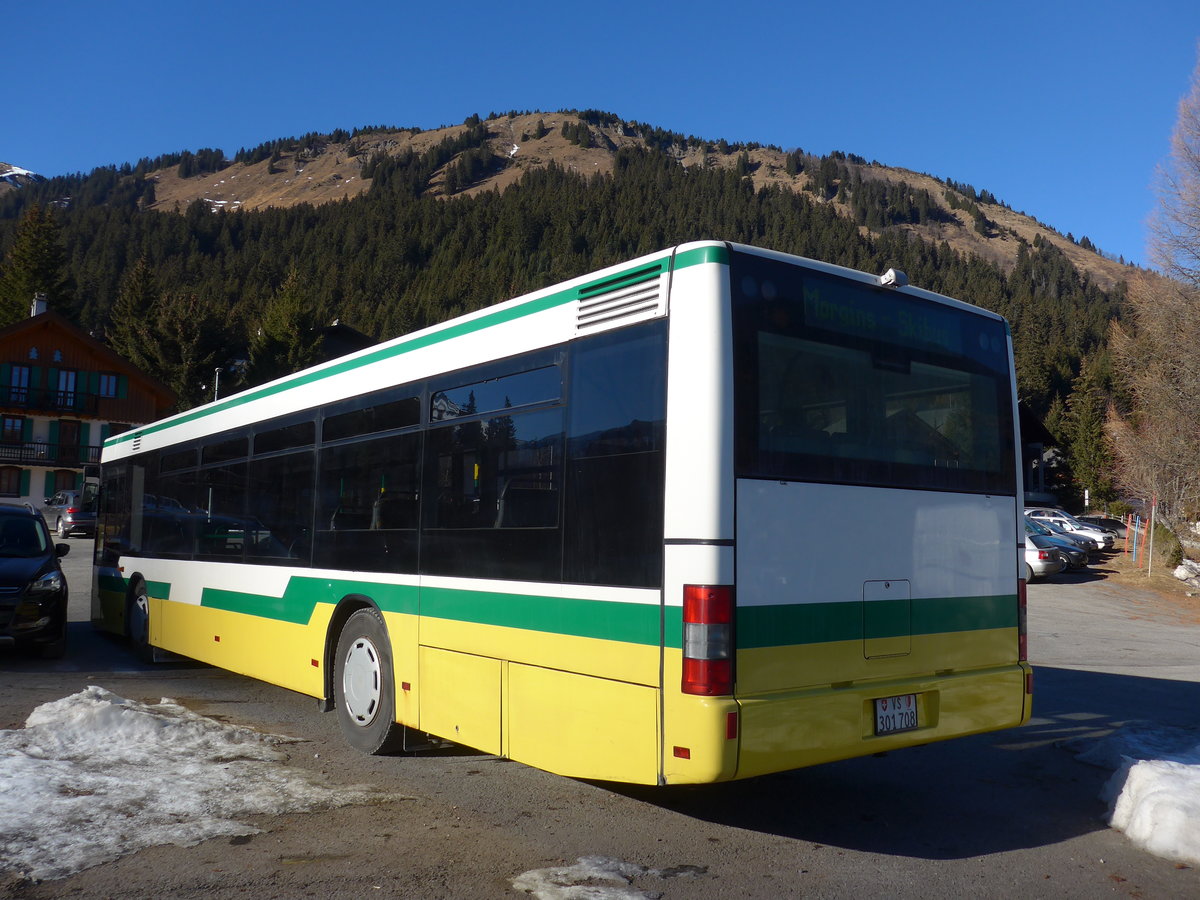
point(319, 172)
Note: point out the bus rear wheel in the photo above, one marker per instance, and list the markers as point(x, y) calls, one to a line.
point(364, 685)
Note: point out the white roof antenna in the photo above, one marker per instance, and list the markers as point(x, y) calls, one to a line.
point(893, 278)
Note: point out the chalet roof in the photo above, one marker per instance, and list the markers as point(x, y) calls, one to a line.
point(40, 327)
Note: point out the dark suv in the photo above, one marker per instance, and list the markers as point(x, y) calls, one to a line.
point(33, 589)
point(71, 513)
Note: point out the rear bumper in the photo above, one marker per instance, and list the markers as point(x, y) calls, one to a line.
point(790, 730)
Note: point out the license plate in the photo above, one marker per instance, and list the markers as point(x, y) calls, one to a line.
point(895, 714)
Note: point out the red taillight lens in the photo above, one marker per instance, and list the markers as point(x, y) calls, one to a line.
point(707, 639)
point(1022, 621)
point(72, 509)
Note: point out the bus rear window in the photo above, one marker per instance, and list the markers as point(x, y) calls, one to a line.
point(839, 382)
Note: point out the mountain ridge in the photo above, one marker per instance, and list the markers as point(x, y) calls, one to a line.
point(320, 169)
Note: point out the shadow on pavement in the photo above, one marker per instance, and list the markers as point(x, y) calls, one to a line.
point(964, 798)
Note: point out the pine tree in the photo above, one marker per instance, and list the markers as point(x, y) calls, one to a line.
point(1091, 460)
point(285, 338)
point(191, 338)
point(133, 315)
point(35, 264)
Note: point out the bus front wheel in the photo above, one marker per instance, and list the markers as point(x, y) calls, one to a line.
point(364, 685)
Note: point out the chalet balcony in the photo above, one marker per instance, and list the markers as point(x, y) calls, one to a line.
point(41, 453)
point(46, 400)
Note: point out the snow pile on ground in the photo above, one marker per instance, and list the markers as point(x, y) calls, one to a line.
point(93, 777)
point(1154, 794)
point(596, 878)
point(1188, 571)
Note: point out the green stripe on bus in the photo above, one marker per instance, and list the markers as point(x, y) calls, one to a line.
point(636, 623)
point(118, 584)
point(819, 623)
point(302, 595)
point(698, 256)
point(632, 623)
point(702, 255)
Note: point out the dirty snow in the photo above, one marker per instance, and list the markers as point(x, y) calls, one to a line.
point(597, 878)
point(1154, 793)
point(93, 777)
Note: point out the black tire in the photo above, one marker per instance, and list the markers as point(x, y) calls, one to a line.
point(61, 529)
point(1028, 573)
point(137, 621)
point(364, 685)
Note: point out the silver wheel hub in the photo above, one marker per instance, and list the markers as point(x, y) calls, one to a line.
point(362, 681)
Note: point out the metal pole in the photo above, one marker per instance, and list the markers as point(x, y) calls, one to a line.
point(1150, 556)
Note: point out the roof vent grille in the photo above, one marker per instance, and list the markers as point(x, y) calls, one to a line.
point(629, 297)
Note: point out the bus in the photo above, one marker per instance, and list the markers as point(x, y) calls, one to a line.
point(710, 514)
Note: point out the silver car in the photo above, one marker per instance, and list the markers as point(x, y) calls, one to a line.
point(71, 513)
point(1074, 547)
point(1041, 562)
point(1067, 522)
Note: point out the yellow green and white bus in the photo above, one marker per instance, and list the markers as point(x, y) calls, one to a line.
point(709, 514)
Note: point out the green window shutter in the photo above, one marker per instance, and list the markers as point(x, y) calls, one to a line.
point(48, 486)
point(25, 482)
point(27, 430)
point(79, 481)
point(122, 387)
point(85, 429)
point(52, 379)
point(105, 429)
point(6, 373)
point(35, 376)
point(54, 434)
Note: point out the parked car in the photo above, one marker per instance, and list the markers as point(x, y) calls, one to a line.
point(1041, 562)
point(1075, 554)
point(70, 513)
point(1116, 526)
point(1067, 522)
point(1087, 544)
point(33, 589)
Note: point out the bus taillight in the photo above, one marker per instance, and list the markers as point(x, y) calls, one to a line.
point(707, 639)
point(1022, 620)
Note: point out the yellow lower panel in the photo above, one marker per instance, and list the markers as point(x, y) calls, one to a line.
point(789, 730)
point(460, 698)
point(605, 659)
point(795, 666)
point(700, 743)
point(582, 727)
point(279, 652)
point(402, 631)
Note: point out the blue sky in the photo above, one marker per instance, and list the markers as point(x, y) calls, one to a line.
point(1062, 109)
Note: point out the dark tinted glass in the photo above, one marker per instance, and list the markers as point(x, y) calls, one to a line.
point(841, 382)
point(493, 490)
point(279, 515)
point(367, 506)
point(289, 437)
point(375, 415)
point(167, 511)
point(614, 509)
point(222, 451)
point(494, 394)
point(178, 459)
point(222, 529)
